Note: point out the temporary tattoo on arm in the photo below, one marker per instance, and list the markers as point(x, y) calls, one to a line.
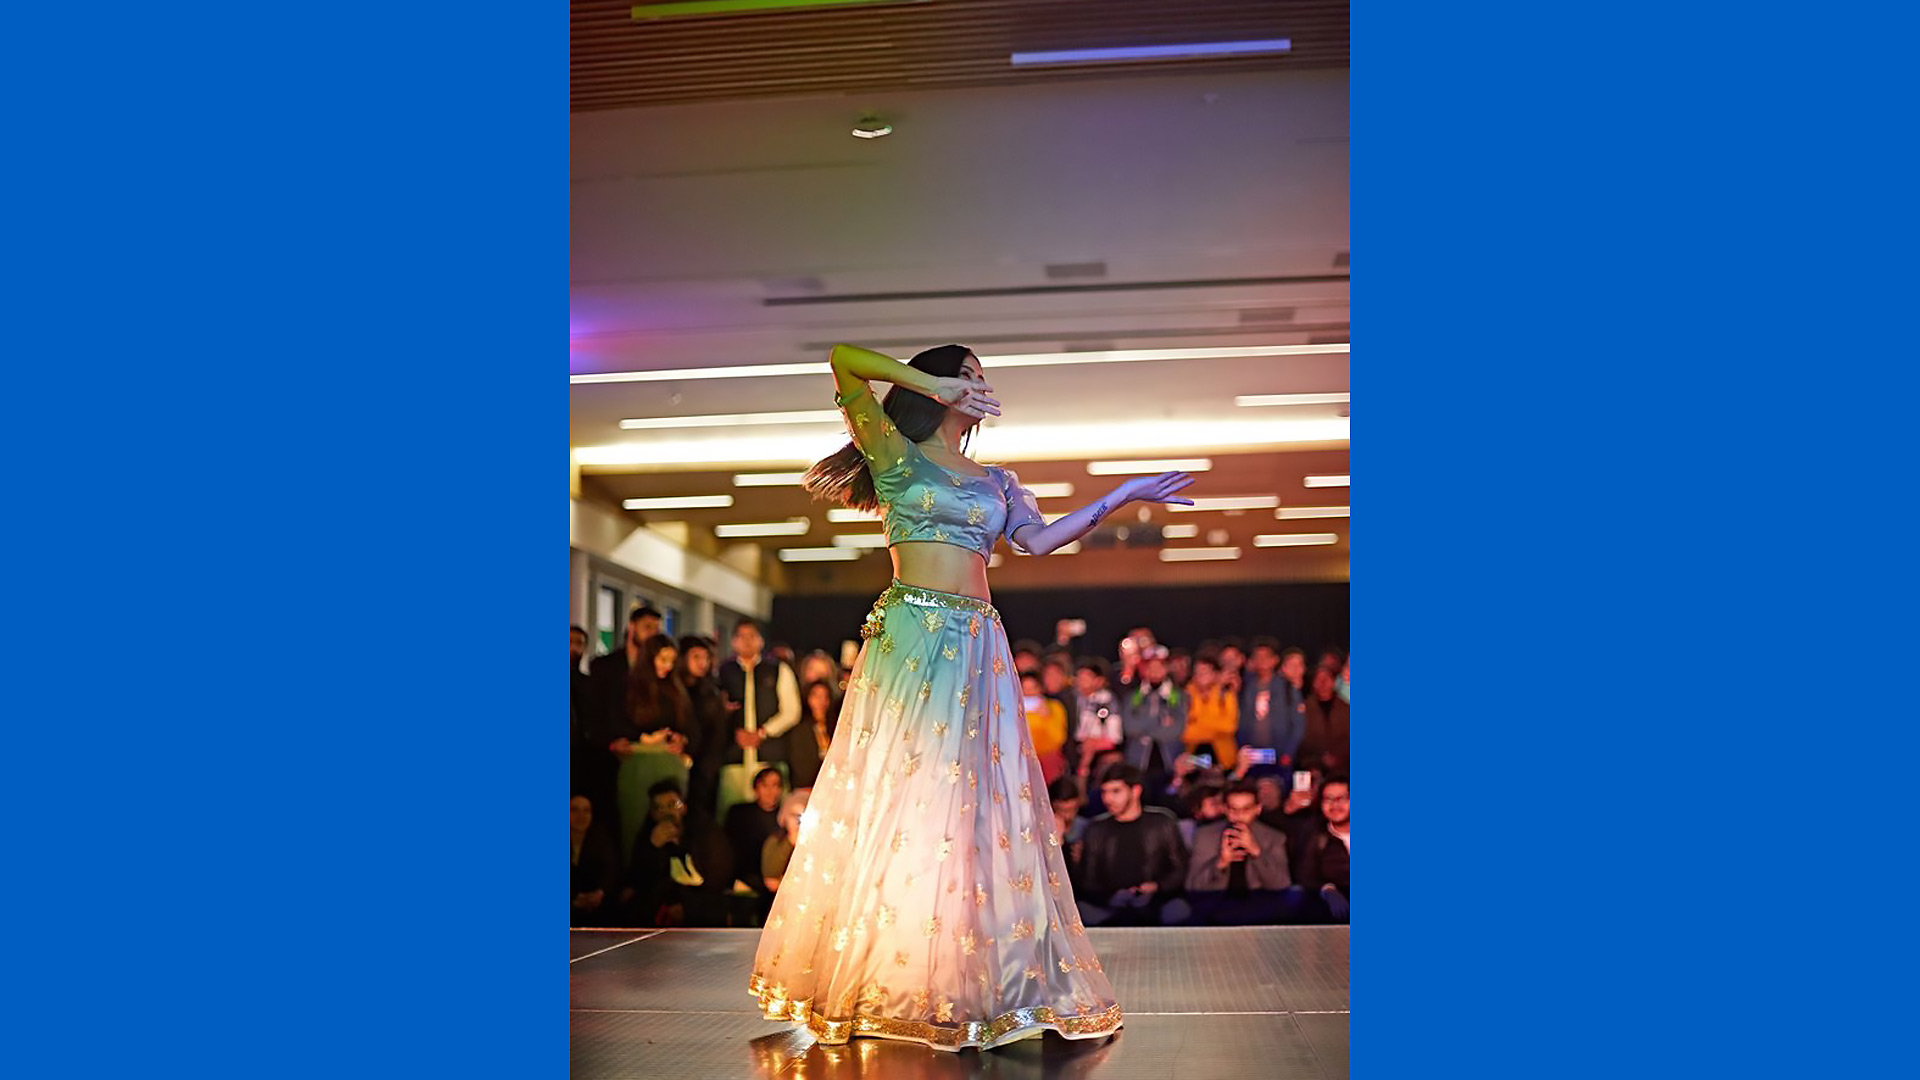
point(1099, 511)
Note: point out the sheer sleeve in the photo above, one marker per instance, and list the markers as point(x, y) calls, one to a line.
point(873, 432)
point(1021, 508)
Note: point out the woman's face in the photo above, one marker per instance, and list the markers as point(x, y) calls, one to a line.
point(818, 699)
point(663, 662)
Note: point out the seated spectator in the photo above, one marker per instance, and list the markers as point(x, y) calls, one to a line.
point(750, 824)
point(1026, 655)
point(1180, 666)
point(778, 850)
point(1132, 859)
point(1094, 717)
point(1327, 742)
point(1153, 717)
point(808, 740)
point(1324, 860)
point(1068, 825)
point(1047, 723)
point(679, 865)
point(1202, 802)
point(1102, 761)
point(595, 867)
point(1213, 714)
point(1238, 874)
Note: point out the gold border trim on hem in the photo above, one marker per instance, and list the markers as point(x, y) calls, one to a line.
point(983, 1034)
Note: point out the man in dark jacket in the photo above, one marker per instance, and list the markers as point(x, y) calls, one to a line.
point(1238, 875)
point(1327, 744)
point(607, 676)
point(1273, 708)
point(1323, 864)
point(1132, 860)
point(763, 704)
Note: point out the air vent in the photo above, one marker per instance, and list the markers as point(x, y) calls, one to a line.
point(1340, 260)
point(1063, 271)
point(1267, 315)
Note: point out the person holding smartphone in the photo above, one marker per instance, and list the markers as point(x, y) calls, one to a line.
point(1238, 875)
point(1273, 710)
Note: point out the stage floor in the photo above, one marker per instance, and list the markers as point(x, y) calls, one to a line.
point(1271, 1002)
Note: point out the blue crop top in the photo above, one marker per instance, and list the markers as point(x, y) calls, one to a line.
point(920, 500)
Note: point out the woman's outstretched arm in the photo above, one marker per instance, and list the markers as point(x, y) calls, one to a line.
point(1046, 538)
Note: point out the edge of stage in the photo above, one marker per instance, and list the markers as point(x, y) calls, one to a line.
point(1199, 1002)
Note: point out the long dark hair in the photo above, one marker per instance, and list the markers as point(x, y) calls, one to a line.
point(653, 702)
point(832, 719)
point(844, 476)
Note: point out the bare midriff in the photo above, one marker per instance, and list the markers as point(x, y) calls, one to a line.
point(941, 567)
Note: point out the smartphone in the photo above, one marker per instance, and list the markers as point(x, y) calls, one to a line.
point(1303, 780)
point(1071, 628)
point(1261, 755)
point(1205, 761)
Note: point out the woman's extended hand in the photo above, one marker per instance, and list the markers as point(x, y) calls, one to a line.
point(1157, 489)
point(973, 398)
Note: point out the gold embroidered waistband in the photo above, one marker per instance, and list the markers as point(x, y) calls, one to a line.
point(901, 593)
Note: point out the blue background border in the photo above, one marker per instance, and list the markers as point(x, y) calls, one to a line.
point(279, 271)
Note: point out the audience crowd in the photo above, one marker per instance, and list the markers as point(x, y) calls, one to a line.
point(1203, 787)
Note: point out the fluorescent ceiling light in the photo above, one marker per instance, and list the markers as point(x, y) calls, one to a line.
point(1068, 549)
point(790, 527)
point(1198, 554)
point(1328, 481)
point(768, 479)
point(1179, 532)
point(1014, 360)
point(842, 515)
point(1033, 442)
point(819, 554)
point(729, 7)
point(1128, 468)
point(1049, 491)
point(1249, 401)
point(680, 502)
point(808, 416)
point(861, 540)
point(1228, 502)
point(1294, 539)
point(995, 559)
point(1288, 513)
point(1154, 52)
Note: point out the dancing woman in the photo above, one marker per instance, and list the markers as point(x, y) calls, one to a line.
point(927, 898)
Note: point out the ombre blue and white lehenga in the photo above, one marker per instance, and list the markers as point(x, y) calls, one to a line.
point(927, 898)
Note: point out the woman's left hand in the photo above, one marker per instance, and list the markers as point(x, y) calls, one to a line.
point(1157, 489)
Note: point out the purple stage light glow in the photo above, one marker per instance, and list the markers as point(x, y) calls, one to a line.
point(1154, 52)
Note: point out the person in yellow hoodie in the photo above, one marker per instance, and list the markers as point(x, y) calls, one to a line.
point(1213, 714)
point(1047, 723)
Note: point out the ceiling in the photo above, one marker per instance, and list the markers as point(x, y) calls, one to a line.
point(869, 50)
point(1186, 207)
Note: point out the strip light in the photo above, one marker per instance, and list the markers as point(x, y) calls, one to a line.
point(1049, 491)
point(1227, 502)
point(1266, 540)
point(820, 554)
point(680, 502)
point(1053, 359)
point(1328, 481)
point(842, 515)
point(1179, 532)
point(861, 540)
point(1068, 549)
point(1294, 513)
point(1129, 468)
point(768, 479)
point(790, 527)
point(1249, 401)
point(1154, 52)
point(808, 416)
point(728, 7)
point(1198, 554)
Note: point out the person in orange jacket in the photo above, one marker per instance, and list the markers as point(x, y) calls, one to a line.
point(1213, 713)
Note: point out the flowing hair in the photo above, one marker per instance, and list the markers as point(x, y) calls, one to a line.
point(651, 701)
point(844, 476)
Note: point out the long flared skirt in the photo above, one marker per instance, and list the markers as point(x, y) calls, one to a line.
point(927, 899)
